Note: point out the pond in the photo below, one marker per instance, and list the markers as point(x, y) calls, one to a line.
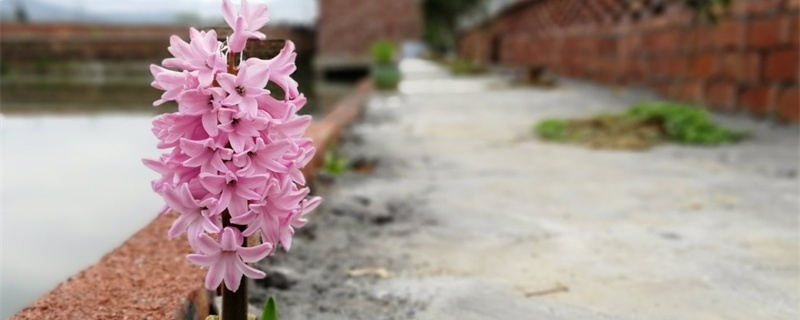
point(74, 187)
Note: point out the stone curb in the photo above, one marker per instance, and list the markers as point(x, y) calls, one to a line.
point(147, 277)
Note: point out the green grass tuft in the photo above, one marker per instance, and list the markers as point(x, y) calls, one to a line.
point(640, 127)
point(465, 67)
point(684, 123)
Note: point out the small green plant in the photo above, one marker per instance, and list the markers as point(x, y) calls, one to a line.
point(334, 163)
point(270, 310)
point(640, 127)
point(385, 74)
point(383, 52)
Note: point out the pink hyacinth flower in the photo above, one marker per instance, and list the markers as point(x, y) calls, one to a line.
point(205, 154)
point(245, 87)
point(203, 102)
point(195, 218)
point(172, 82)
point(245, 25)
point(234, 152)
point(296, 220)
point(201, 54)
point(281, 67)
point(240, 130)
point(234, 189)
point(280, 201)
point(262, 157)
point(226, 259)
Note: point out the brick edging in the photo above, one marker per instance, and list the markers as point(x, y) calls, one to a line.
point(147, 277)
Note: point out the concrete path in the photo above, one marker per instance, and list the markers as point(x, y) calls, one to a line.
point(511, 227)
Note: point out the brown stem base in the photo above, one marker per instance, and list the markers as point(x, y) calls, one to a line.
point(234, 304)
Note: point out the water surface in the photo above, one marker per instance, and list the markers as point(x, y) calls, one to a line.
point(73, 189)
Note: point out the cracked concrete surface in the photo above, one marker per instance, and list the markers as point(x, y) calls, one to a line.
point(518, 228)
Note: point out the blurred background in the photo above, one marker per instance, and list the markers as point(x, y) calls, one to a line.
point(76, 102)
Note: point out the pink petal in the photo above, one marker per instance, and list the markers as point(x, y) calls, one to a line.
point(228, 240)
point(297, 176)
point(249, 105)
point(212, 183)
point(275, 149)
point(180, 225)
point(203, 260)
point(156, 166)
point(215, 274)
point(248, 271)
point(233, 276)
point(258, 73)
point(295, 127)
point(210, 124)
point(232, 99)
point(227, 81)
point(237, 141)
point(207, 245)
point(194, 148)
point(257, 15)
point(174, 201)
point(248, 194)
point(238, 206)
point(286, 239)
point(228, 13)
point(253, 254)
point(245, 218)
point(311, 204)
point(238, 40)
point(210, 225)
point(224, 200)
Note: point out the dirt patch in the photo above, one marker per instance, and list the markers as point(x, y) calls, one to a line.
point(615, 133)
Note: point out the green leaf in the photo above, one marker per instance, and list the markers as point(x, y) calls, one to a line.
point(270, 310)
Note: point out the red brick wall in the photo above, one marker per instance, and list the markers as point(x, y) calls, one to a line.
point(71, 42)
point(748, 61)
point(348, 27)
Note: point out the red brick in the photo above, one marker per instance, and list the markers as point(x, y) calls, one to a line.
point(662, 42)
point(670, 67)
point(721, 95)
point(691, 91)
point(700, 38)
point(729, 34)
point(766, 32)
point(789, 105)
point(342, 29)
point(755, 7)
point(744, 67)
point(758, 99)
point(781, 65)
point(792, 31)
point(662, 89)
point(703, 66)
